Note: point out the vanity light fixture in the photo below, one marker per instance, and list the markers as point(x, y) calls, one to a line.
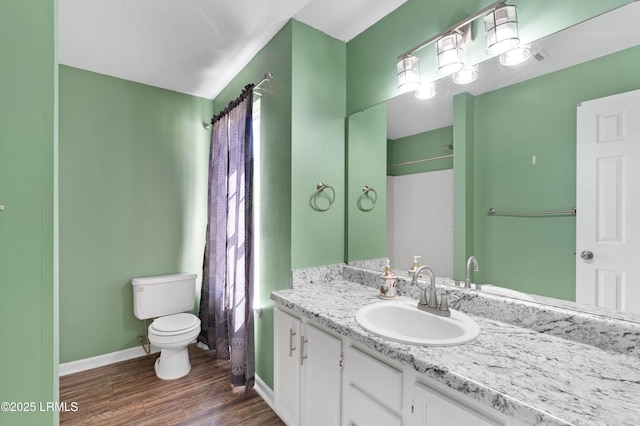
point(501, 29)
point(426, 91)
point(408, 73)
point(465, 75)
point(515, 56)
point(449, 53)
point(449, 42)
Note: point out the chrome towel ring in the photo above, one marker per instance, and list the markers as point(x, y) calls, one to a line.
point(365, 194)
point(319, 188)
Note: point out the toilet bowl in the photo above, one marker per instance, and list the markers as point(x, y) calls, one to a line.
point(166, 298)
point(172, 334)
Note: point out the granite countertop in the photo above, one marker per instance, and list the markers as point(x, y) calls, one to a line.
point(534, 377)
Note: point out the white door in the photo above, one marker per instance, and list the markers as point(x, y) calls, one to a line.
point(608, 202)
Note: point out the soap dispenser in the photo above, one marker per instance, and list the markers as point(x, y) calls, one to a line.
point(388, 283)
point(414, 267)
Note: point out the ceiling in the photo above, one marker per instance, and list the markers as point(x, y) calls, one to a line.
point(193, 46)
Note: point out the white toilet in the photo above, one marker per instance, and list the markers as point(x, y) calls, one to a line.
point(166, 298)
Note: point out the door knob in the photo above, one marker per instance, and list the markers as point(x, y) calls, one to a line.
point(586, 255)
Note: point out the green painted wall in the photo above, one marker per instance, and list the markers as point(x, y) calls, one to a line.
point(133, 171)
point(28, 229)
point(537, 118)
point(372, 55)
point(319, 95)
point(302, 143)
point(463, 181)
point(367, 161)
point(419, 147)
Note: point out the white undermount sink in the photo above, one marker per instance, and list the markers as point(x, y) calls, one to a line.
point(404, 322)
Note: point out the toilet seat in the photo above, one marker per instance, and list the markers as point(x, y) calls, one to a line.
point(172, 334)
point(174, 324)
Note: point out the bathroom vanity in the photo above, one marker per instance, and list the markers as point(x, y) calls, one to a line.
point(317, 369)
point(329, 370)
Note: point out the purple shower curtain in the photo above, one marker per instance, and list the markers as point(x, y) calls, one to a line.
point(227, 280)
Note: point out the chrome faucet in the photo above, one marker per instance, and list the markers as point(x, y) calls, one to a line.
point(467, 281)
point(430, 304)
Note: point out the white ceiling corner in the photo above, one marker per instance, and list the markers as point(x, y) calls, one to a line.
point(345, 19)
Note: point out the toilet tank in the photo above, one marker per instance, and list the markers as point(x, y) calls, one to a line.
point(163, 295)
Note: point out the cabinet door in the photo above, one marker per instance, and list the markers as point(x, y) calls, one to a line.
point(375, 378)
point(364, 411)
point(321, 377)
point(431, 408)
point(373, 392)
point(287, 366)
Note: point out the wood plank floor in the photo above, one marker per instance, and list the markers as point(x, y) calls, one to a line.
point(129, 393)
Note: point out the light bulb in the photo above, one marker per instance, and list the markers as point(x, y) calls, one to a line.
point(515, 56)
point(426, 91)
point(408, 74)
point(465, 75)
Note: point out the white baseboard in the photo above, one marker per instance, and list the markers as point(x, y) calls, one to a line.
point(102, 360)
point(264, 391)
point(267, 394)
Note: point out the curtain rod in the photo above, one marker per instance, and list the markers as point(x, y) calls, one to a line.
point(267, 77)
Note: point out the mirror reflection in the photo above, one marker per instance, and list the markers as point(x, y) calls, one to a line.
point(524, 150)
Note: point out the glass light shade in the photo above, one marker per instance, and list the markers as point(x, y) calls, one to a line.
point(408, 74)
point(426, 91)
point(465, 75)
point(449, 54)
point(501, 30)
point(515, 56)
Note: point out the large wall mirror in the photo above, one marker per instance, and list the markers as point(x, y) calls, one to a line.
point(524, 149)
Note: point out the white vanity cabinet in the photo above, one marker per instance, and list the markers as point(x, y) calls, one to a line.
point(307, 372)
point(311, 387)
